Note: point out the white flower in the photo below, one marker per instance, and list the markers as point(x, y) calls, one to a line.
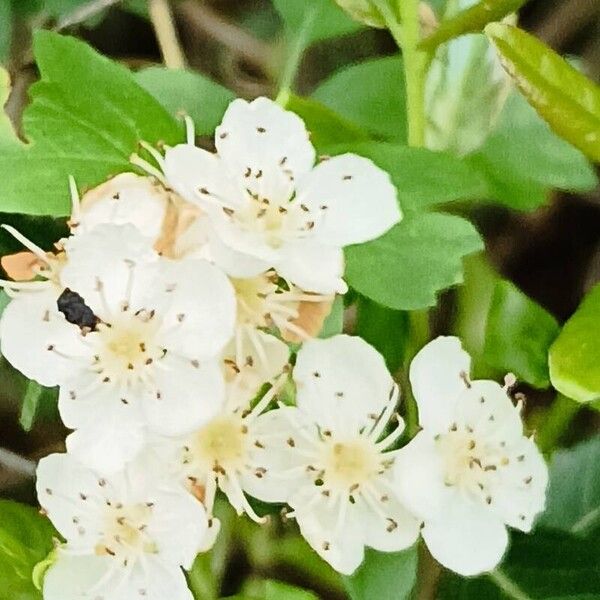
point(470, 471)
point(268, 206)
point(330, 459)
point(152, 359)
point(127, 536)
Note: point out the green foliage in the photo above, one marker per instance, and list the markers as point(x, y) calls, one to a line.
point(574, 494)
point(523, 158)
point(38, 400)
point(189, 93)
point(471, 20)
point(86, 119)
point(565, 98)
point(575, 355)
point(423, 178)
point(519, 333)
point(314, 20)
point(405, 268)
point(6, 15)
point(370, 94)
point(25, 540)
point(385, 329)
point(275, 590)
point(384, 576)
point(334, 323)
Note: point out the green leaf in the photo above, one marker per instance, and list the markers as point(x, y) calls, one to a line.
point(471, 20)
point(423, 178)
point(565, 98)
point(37, 399)
point(545, 566)
point(574, 494)
point(326, 127)
point(86, 119)
point(575, 355)
point(384, 576)
point(275, 590)
point(315, 20)
point(25, 540)
point(406, 268)
point(6, 15)
point(523, 158)
point(519, 333)
point(334, 323)
point(187, 92)
point(370, 94)
point(385, 329)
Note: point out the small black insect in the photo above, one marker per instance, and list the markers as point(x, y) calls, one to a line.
point(76, 311)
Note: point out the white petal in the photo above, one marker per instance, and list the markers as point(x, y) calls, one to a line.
point(178, 526)
point(313, 266)
point(71, 577)
point(30, 325)
point(71, 495)
point(200, 177)
point(197, 304)
point(186, 395)
point(360, 199)
point(101, 263)
point(467, 539)
point(126, 198)
point(261, 135)
point(239, 259)
point(437, 378)
point(342, 382)
point(419, 474)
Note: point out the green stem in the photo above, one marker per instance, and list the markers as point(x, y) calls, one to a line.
point(557, 421)
point(508, 586)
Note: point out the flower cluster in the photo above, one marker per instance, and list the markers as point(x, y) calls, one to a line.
point(166, 319)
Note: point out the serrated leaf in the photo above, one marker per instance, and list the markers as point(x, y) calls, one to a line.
point(575, 355)
point(327, 128)
point(567, 100)
point(370, 94)
point(25, 540)
point(204, 100)
point(519, 333)
point(384, 576)
point(86, 118)
point(408, 266)
point(522, 159)
point(314, 20)
point(574, 495)
point(423, 178)
point(471, 20)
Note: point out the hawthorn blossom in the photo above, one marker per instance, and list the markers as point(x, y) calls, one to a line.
point(470, 472)
point(148, 354)
point(331, 456)
point(266, 205)
point(127, 536)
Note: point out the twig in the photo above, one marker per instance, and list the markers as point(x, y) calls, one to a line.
point(16, 463)
point(166, 34)
point(84, 12)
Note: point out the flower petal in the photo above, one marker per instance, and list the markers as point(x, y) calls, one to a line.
point(437, 378)
point(467, 539)
point(37, 339)
point(71, 577)
point(312, 266)
point(342, 382)
point(357, 200)
point(262, 135)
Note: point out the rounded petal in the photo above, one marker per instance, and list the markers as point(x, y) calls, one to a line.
point(341, 383)
point(178, 527)
point(200, 177)
point(313, 266)
point(238, 260)
point(187, 395)
point(468, 539)
point(71, 577)
point(262, 135)
point(37, 340)
point(359, 197)
point(126, 198)
point(437, 377)
point(197, 304)
point(71, 495)
point(156, 579)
